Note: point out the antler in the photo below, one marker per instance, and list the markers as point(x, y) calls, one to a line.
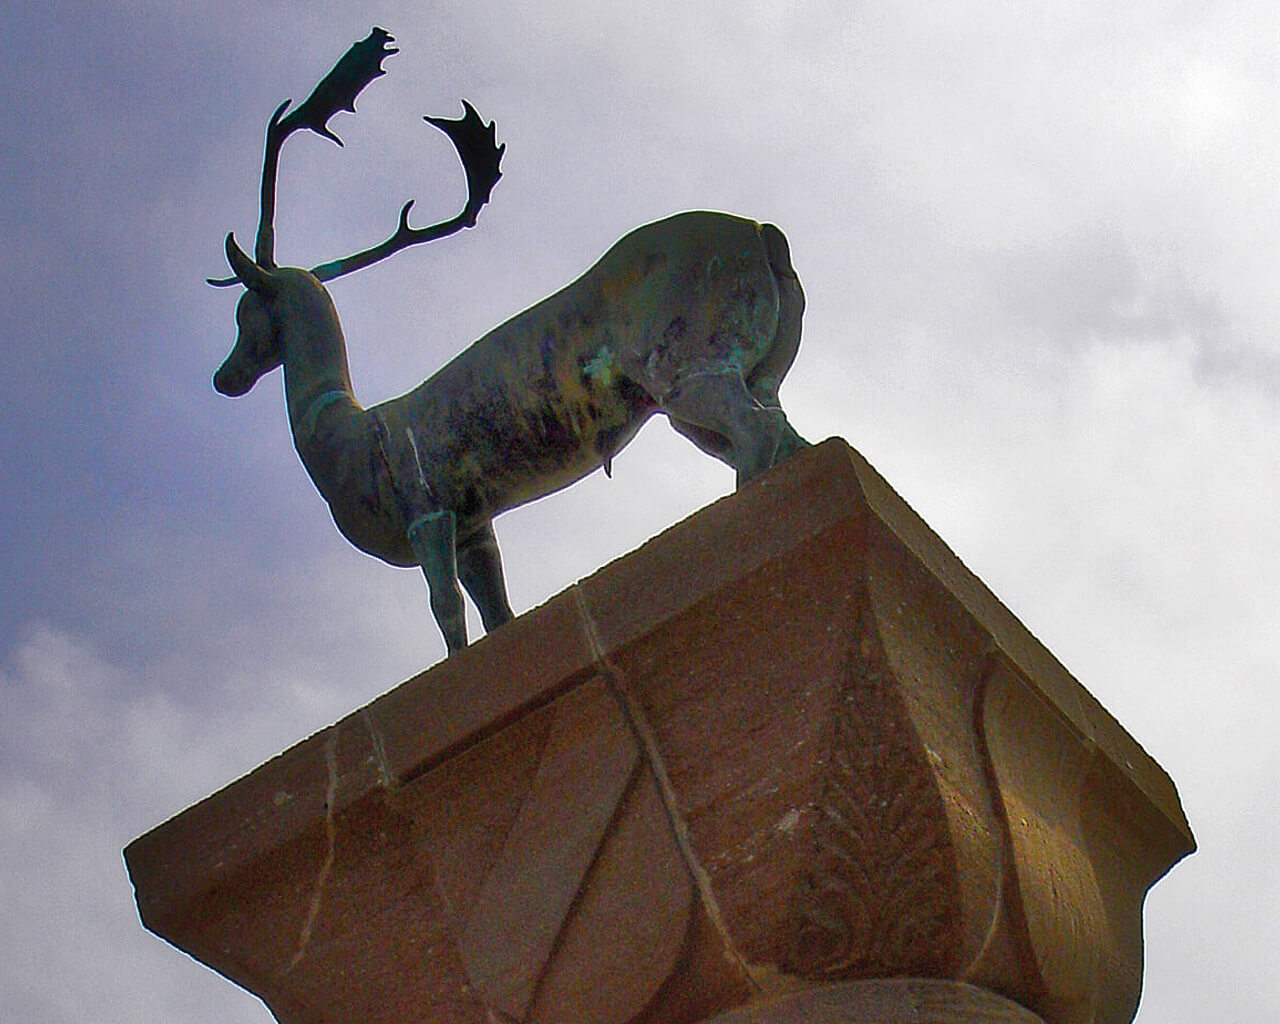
point(475, 142)
point(338, 90)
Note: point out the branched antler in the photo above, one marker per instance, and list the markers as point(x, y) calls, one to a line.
point(475, 141)
point(477, 146)
point(337, 91)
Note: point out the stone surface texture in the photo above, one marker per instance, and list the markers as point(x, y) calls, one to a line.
point(784, 751)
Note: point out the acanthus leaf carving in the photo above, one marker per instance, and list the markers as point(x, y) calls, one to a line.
point(879, 893)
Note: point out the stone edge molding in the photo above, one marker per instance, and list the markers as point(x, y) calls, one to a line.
point(788, 745)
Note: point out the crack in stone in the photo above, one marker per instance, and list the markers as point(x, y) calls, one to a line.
point(331, 833)
point(619, 686)
point(379, 751)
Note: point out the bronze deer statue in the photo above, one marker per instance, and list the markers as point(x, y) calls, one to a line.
point(696, 316)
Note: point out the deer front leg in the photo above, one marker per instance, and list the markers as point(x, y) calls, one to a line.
point(433, 539)
point(431, 530)
point(480, 570)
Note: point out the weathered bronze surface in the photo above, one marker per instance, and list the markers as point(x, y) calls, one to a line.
point(696, 316)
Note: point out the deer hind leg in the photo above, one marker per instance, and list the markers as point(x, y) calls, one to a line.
point(766, 376)
point(715, 410)
point(480, 570)
point(715, 445)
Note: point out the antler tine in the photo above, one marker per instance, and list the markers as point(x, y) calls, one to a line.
point(265, 244)
point(476, 143)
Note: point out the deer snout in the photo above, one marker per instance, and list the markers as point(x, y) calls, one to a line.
point(232, 381)
point(256, 352)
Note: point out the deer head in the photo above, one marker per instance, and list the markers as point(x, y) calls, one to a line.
point(277, 298)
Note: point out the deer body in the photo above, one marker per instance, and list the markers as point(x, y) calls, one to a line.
point(697, 316)
point(553, 393)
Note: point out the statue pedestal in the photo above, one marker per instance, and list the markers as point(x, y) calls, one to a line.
point(784, 751)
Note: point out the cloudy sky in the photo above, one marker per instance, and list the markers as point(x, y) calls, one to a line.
point(1038, 243)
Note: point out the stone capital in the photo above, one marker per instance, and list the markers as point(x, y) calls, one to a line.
point(789, 757)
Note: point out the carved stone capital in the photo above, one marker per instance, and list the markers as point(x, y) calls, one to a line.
point(788, 761)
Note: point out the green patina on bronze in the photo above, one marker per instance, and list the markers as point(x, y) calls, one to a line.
point(305, 425)
point(696, 316)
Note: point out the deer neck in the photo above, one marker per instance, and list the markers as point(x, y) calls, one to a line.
point(317, 380)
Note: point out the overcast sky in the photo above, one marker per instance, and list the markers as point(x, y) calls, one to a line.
point(1038, 243)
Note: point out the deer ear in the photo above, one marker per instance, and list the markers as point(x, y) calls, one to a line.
point(252, 276)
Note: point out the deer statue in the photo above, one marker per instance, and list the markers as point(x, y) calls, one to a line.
point(696, 316)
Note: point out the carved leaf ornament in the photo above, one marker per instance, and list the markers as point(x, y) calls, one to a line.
point(879, 896)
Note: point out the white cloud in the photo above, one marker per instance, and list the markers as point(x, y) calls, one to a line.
point(86, 765)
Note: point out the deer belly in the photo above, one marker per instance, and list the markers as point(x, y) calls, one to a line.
point(509, 424)
point(558, 435)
